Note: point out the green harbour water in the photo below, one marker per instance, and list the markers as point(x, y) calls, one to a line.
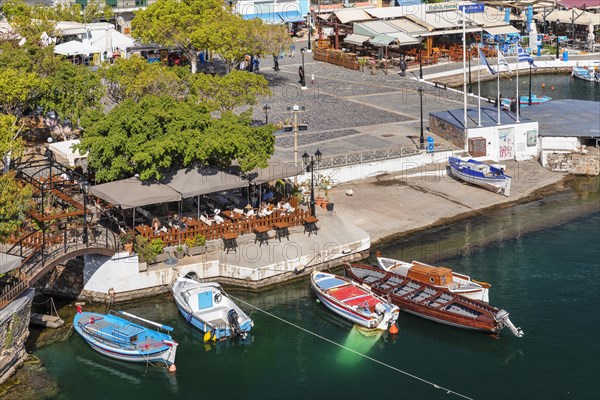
point(556, 86)
point(542, 259)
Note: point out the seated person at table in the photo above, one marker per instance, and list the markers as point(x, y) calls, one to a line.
point(249, 211)
point(178, 222)
point(264, 210)
point(218, 219)
point(156, 225)
point(286, 207)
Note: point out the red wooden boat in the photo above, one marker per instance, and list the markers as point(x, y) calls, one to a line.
point(431, 302)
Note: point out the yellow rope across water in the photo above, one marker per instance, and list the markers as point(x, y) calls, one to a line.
point(448, 391)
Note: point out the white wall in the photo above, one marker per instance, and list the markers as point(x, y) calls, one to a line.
point(362, 171)
point(517, 137)
point(557, 144)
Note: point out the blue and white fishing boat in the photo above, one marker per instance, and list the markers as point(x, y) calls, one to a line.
point(353, 301)
point(116, 336)
point(506, 102)
point(589, 72)
point(481, 174)
point(206, 306)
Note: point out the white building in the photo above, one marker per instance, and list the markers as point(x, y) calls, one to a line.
point(486, 137)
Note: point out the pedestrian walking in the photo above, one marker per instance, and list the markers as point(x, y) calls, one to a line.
point(292, 48)
point(301, 75)
point(312, 79)
point(275, 62)
point(403, 67)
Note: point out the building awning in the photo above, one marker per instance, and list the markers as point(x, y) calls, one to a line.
point(131, 192)
point(501, 30)
point(291, 16)
point(8, 262)
point(347, 16)
point(357, 39)
point(192, 182)
point(404, 39)
point(383, 40)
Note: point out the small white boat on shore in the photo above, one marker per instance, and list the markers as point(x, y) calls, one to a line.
point(440, 277)
point(481, 174)
point(206, 306)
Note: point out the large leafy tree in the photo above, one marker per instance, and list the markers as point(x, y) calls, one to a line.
point(30, 22)
point(72, 90)
point(15, 201)
point(160, 134)
point(185, 24)
point(224, 93)
point(134, 78)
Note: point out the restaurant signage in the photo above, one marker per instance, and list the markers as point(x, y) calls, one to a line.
point(472, 8)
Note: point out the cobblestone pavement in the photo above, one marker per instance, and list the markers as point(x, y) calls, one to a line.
point(346, 111)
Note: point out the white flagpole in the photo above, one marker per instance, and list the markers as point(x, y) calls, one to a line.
point(464, 37)
point(518, 98)
point(498, 85)
point(479, 82)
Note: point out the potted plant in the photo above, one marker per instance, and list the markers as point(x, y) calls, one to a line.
point(362, 62)
point(127, 240)
point(179, 252)
point(195, 245)
point(148, 251)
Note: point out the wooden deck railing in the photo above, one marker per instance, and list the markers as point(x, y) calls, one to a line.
point(175, 236)
point(11, 292)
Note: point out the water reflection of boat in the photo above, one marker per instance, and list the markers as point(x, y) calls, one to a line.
point(360, 340)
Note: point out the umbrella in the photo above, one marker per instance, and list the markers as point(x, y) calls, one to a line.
point(533, 36)
point(74, 47)
point(591, 35)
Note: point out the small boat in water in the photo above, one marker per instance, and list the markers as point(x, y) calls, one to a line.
point(440, 277)
point(481, 174)
point(206, 306)
point(506, 102)
point(432, 303)
point(352, 301)
point(589, 72)
point(116, 336)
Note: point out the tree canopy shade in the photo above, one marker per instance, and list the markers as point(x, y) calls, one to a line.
point(133, 78)
point(224, 93)
point(186, 24)
point(160, 134)
point(15, 201)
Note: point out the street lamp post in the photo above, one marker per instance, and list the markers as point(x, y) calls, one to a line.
point(421, 138)
point(309, 161)
point(420, 59)
point(302, 76)
point(85, 188)
point(529, 85)
point(266, 109)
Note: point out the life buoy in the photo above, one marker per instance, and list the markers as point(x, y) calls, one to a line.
point(218, 297)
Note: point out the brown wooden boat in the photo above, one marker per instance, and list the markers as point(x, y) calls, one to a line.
point(432, 302)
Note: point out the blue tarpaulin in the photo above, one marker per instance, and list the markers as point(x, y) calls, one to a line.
point(507, 15)
point(291, 16)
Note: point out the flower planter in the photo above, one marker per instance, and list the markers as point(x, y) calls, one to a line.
point(142, 266)
point(179, 254)
point(329, 206)
point(194, 251)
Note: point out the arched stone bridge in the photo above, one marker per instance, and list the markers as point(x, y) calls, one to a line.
point(41, 251)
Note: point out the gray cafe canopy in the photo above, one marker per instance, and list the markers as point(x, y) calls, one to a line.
point(276, 170)
point(8, 262)
point(131, 192)
point(194, 182)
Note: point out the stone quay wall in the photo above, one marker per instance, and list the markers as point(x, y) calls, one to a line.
point(14, 330)
point(574, 163)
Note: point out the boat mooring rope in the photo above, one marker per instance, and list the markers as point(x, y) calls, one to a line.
point(448, 391)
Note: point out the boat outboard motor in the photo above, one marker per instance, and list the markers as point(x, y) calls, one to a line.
point(234, 325)
point(380, 309)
